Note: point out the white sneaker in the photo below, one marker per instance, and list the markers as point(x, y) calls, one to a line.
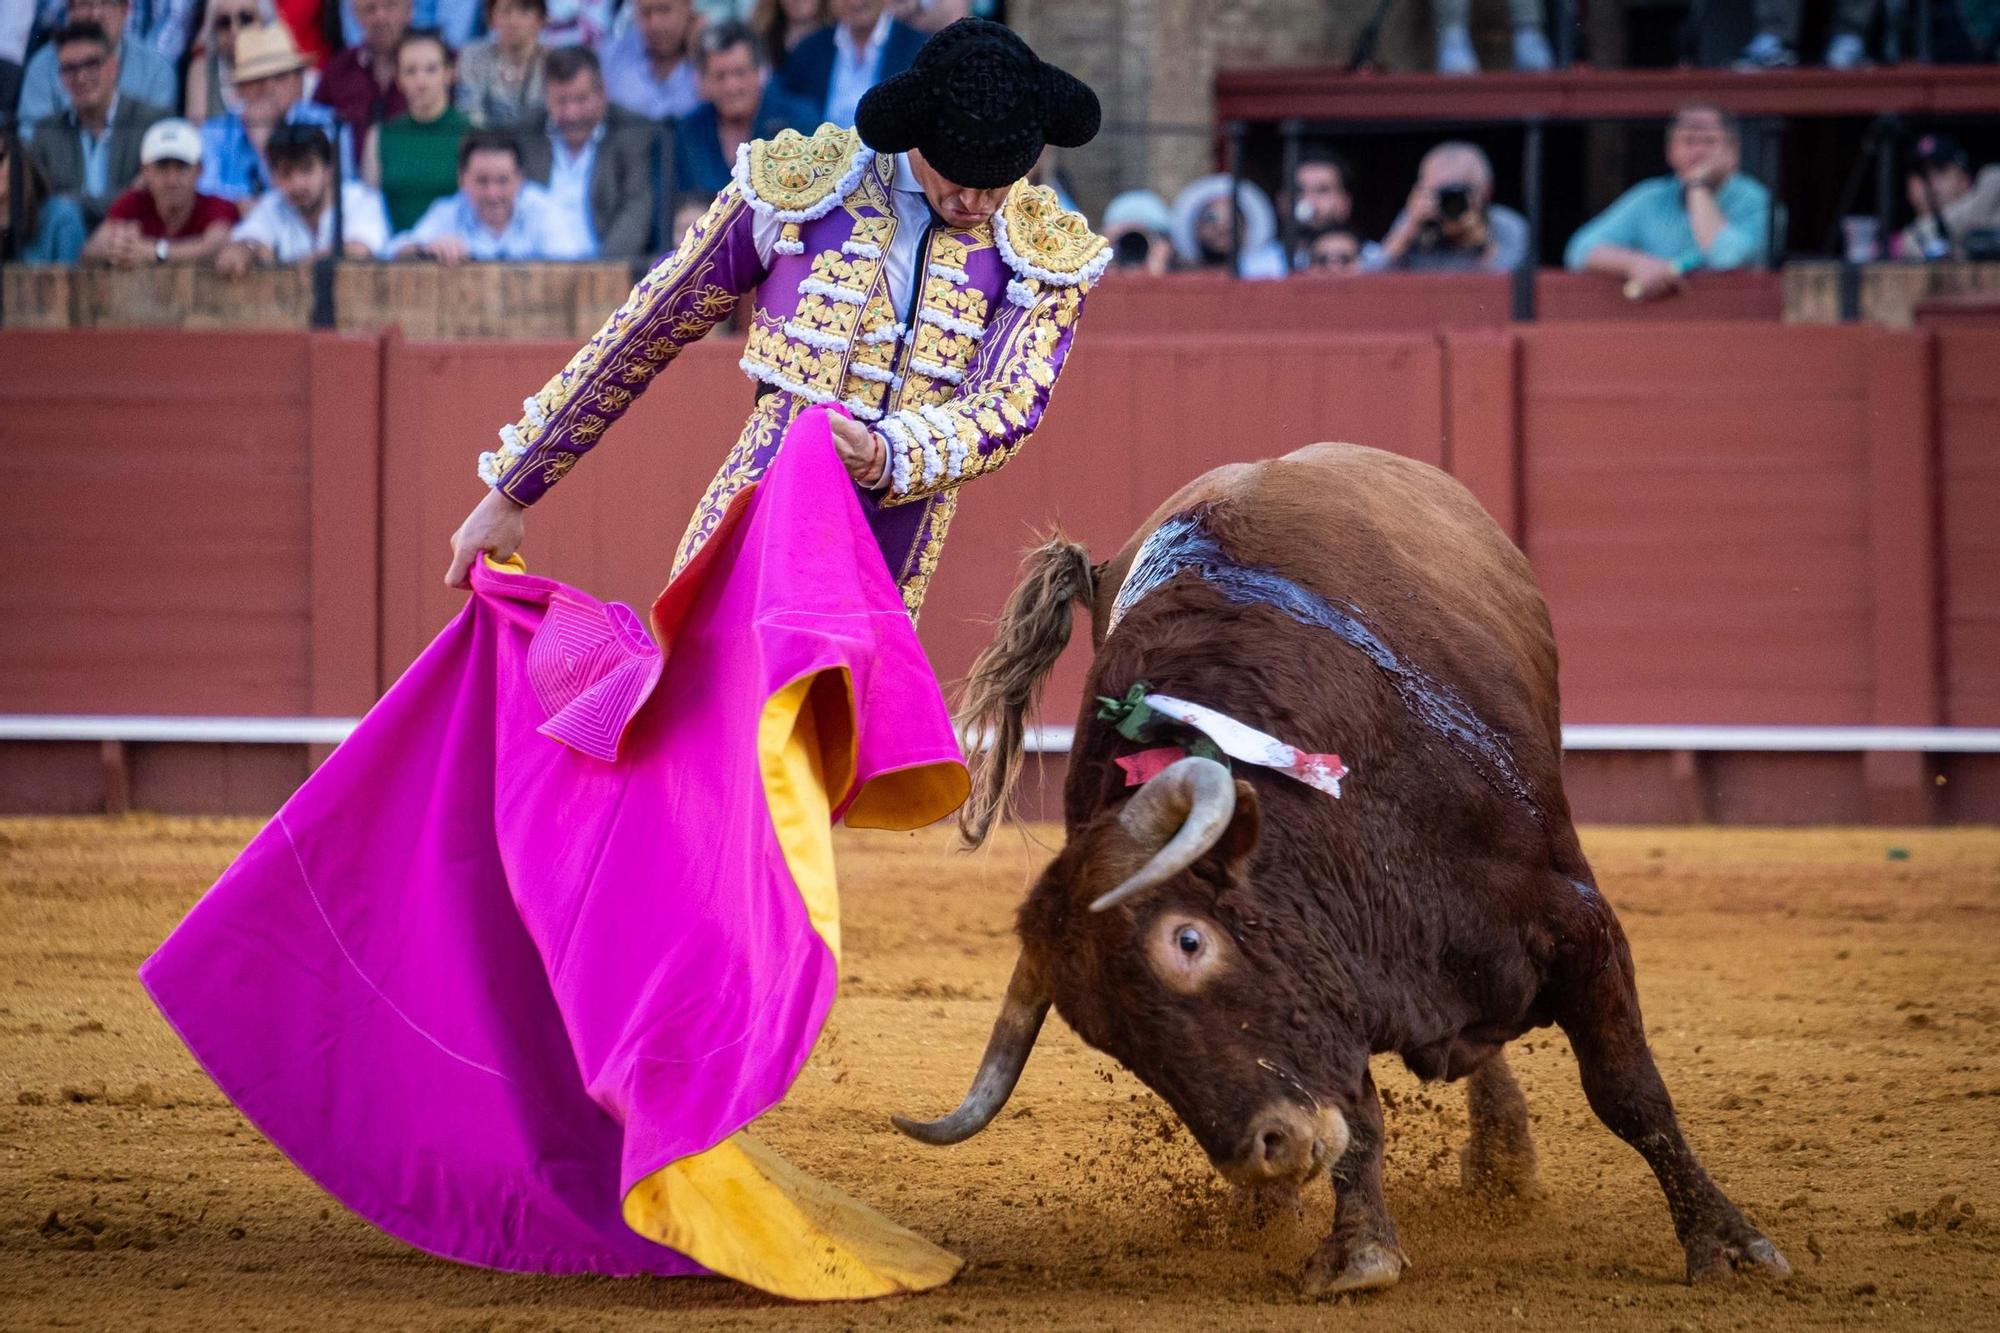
point(1846, 51)
point(1531, 51)
point(1455, 53)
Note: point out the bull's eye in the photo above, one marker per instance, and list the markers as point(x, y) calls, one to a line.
point(1189, 940)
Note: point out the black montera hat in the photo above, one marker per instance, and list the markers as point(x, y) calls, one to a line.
point(979, 105)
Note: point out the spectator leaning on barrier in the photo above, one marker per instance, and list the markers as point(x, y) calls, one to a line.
point(496, 214)
point(1706, 215)
point(144, 75)
point(830, 69)
point(293, 221)
point(270, 76)
point(1454, 36)
point(51, 230)
point(500, 75)
point(1940, 181)
point(648, 69)
point(1332, 251)
point(413, 158)
point(595, 159)
point(360, 83)
point(1140, 228)
point(1204, 228)
point(1450, 223)
point(90, 151)
point(164, 219)
point(738, 105)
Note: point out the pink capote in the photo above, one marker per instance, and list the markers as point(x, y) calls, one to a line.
point(529, 935)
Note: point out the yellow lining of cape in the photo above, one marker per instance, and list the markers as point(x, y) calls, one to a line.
point(739, 1209)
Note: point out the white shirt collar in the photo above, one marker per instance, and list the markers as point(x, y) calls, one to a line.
point(906, 177)
point(843, 40)
point(561, 145)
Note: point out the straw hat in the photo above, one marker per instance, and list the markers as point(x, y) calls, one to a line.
point(266, 51)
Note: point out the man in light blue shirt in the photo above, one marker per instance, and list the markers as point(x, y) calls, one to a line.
point(647, 69)
point(143, 74)
point(1706, 215)
point(496, 214)
point(270, 78)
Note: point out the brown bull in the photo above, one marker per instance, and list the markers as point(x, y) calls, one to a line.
point(1244, 944)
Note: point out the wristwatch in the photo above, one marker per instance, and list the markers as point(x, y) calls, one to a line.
point(160, 251)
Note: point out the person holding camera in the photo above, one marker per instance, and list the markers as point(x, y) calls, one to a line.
point(1451, 223)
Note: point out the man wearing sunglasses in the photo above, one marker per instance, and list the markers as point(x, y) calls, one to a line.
point(91, 151)
point(143, 74)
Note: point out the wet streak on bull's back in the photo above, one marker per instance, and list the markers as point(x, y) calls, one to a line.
point(1183, 543)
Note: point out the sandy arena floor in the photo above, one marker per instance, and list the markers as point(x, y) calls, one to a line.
point(1826, 1010)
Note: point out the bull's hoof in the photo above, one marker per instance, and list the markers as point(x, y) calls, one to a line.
point(1499, 1172)
point(1369, 1266)
point(1734, 1248)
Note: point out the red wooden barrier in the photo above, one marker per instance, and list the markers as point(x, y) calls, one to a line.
point(1362, 304)
point(1570, 297)
point(1733, 523)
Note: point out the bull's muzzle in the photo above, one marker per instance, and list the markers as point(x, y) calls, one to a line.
point(1287, 1142)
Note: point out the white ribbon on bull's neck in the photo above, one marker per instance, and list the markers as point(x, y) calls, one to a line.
point(1241, 741)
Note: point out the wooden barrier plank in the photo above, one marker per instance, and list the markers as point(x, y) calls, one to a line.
point(1483, 422)
point(1968, 408)
point(344, 424)
point(1752, 294)
point(1696, 509)
point(155, 554)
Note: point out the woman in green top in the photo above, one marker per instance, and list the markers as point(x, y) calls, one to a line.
point(413, 159)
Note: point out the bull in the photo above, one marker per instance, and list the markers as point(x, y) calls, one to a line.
point(1243, 942)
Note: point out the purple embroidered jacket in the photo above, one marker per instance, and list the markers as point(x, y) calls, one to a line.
point(953, 391)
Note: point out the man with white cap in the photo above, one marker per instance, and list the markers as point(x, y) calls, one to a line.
point(270, 78)
point(164, 219)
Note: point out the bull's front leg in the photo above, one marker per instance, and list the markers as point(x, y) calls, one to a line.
point(1600, 1015)
point(1363, 1253)
point(1499, 1157)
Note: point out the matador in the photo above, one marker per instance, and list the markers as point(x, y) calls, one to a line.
point(903, 269)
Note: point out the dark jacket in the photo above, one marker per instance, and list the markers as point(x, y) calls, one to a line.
point(700, 165)
point(807, 74)
point(58, 145)
point(621, 181)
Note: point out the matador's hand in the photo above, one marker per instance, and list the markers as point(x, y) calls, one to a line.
point(860, 448)
point(494, 528)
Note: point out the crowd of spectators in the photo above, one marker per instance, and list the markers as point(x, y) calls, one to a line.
point(247, 132)
point(456, 130)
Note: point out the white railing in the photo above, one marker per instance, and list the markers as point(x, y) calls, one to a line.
point(1040, 740)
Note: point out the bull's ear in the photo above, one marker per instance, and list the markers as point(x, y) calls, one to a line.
point(1239, 841)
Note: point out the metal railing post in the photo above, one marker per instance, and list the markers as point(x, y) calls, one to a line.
point(1531, 199)
point(1288, 188)
point(1236, 131)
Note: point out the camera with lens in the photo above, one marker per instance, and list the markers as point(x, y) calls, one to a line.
point(1132, 249)
point(1454, 201)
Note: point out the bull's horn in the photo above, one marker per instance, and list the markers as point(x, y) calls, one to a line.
point(1186, 806)
point(1014, 1032)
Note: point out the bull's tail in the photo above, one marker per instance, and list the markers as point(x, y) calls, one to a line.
point(994, 703)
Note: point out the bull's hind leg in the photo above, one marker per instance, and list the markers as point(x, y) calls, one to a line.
point(1601, 1018)
point(1363, 1253)
point(1499, 1158)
